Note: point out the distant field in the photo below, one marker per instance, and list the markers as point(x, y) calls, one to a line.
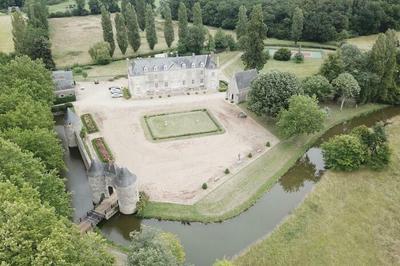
point(6, 43)
point(63, 6)
point(365, 42)
point(72, 37)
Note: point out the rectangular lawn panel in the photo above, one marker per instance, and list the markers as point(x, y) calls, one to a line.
point(182, 124)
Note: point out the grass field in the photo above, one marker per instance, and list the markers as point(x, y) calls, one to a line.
point(72, 37)
point(244, 188)
point(6, 43)
point(348, 219)
point(181, 124)
point(365, 42)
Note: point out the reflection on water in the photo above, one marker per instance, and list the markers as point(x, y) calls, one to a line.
point(204, 243)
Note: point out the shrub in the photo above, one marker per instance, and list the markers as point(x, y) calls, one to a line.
point(141, 204)
point(126, 93)
point(84, 74)
point(204, 186)
point(250, 155)
point(89, 123)
point(223, 86)
point(100, 53)
point(83, 132)
point(66, 99)
point(230, 41)
point(227, 171)
point(77, 70)
point(268, 144)
point(283, 54)
point(298, 58)
point(344, 152)
point(319, 86)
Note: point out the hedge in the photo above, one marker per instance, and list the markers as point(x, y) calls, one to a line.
point(89, 123)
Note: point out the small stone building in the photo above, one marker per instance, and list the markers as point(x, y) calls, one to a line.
point(106, 179)
point(151, 77)
point(64, 83)
point(239, 86)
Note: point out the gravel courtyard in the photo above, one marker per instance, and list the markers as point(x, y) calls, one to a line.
point(174, 170)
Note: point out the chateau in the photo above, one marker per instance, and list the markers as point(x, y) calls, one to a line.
point(166, 76)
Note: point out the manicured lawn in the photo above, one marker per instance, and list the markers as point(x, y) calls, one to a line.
point(181, 124)
point(72, 37)
point(63, 6)
point(244, 188)
point(365, 42)
point(348, 219)
point(6, 42)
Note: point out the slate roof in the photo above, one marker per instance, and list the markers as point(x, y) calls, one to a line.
point(63, 80)
point(122, 176)
point(243, 79)
point(140, 66)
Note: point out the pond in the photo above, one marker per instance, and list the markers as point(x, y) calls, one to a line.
point(204, 243)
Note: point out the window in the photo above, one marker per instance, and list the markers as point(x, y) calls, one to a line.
point(155, 68)
point(145, 69)
point(165, 67)
point(201, 64)
point(201, 81)
point(61, 95)
point(192, 81)
point(183, 65)
point(202, 72)
point(166, 84)
point(193, 65)
point(156, 84)
point(184, 82)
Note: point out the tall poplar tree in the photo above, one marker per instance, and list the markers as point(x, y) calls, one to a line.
point(169, 34)
point(183, 29)
point(108, 34)
point(254, 55)
point(241, 25)
point(197, 16)
point(18, 31)
point(133, 28)
point(122, 36)
point(151, 34)
point(37, 14)
point(297, 24)
point(124, 4)
point(141, 13)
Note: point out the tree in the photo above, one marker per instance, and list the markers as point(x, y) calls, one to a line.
point(151, 34)
point(210, 46)
point(18, 31)
point(42, 142)
point(100, 53)
point(302, 116)
point(28, 78)
point(333, 66)
point(108, 35)
point(141, 13)
point(317, 86)
point(197, 16)
point(174, 245)
point(297, 25)
point(253, 45)
point(346, 86)
point(383, 63)
point(183, 29)
point(147, 248)
point(223, 262)
point(169, 34)
point(122, 36)
point(343, 152)
point(220, 40)
point(80, 6)
point(124, 5)
point(32, 233)
point(20, 168)
point(270, 92)
point(195, 40)
point(283, 54)
point(133, 28)
point(241, 25)
point(37, 14)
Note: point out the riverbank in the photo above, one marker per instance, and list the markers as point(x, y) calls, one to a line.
point(242, 190)
point(347, 218)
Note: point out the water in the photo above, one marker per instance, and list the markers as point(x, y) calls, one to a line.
point(204, 243)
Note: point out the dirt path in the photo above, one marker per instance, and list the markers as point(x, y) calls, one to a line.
point(222, 75)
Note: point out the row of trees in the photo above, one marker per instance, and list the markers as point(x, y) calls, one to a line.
point(31, 37)
point(324, 20)
point(34, 205)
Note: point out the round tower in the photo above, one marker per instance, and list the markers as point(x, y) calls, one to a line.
point(97, 181)
point(127, 191)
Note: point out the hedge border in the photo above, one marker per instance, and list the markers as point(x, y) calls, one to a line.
point(89, 130)
point(219, 129)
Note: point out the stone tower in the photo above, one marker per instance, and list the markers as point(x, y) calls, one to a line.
point(127, 190)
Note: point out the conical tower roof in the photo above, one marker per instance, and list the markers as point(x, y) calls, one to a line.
point(96, 168)
point(125, 178)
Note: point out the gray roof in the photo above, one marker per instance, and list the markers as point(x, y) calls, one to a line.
point(143, 65)
point(63, 80)
point(122, 176)
point(243, 79)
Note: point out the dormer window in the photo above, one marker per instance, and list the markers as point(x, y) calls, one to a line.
point(201, 64)
point(145, 69)
point(183, 65)
point(193, 65)
point(165, 67)
point(155, 68)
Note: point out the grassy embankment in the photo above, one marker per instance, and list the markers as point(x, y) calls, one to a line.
point(349, 218)
point(244, 188)
point(365, 42)
point(6, 43)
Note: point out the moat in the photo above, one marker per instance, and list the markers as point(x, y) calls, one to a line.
point(228, 238)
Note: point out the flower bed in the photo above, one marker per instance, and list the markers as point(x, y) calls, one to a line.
point(89, 123)
point(102, 150)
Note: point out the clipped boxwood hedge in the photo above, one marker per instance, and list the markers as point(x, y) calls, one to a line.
point(89, 123)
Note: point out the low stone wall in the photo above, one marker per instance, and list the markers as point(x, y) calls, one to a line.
point(87, 158)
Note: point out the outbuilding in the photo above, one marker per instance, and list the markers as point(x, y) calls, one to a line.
point(239, 86)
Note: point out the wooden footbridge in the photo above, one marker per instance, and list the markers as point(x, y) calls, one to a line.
point(105, 210)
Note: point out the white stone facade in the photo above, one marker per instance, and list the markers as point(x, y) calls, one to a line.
point(153, 77)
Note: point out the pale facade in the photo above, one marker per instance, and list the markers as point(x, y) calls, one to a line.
point(150, 77)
